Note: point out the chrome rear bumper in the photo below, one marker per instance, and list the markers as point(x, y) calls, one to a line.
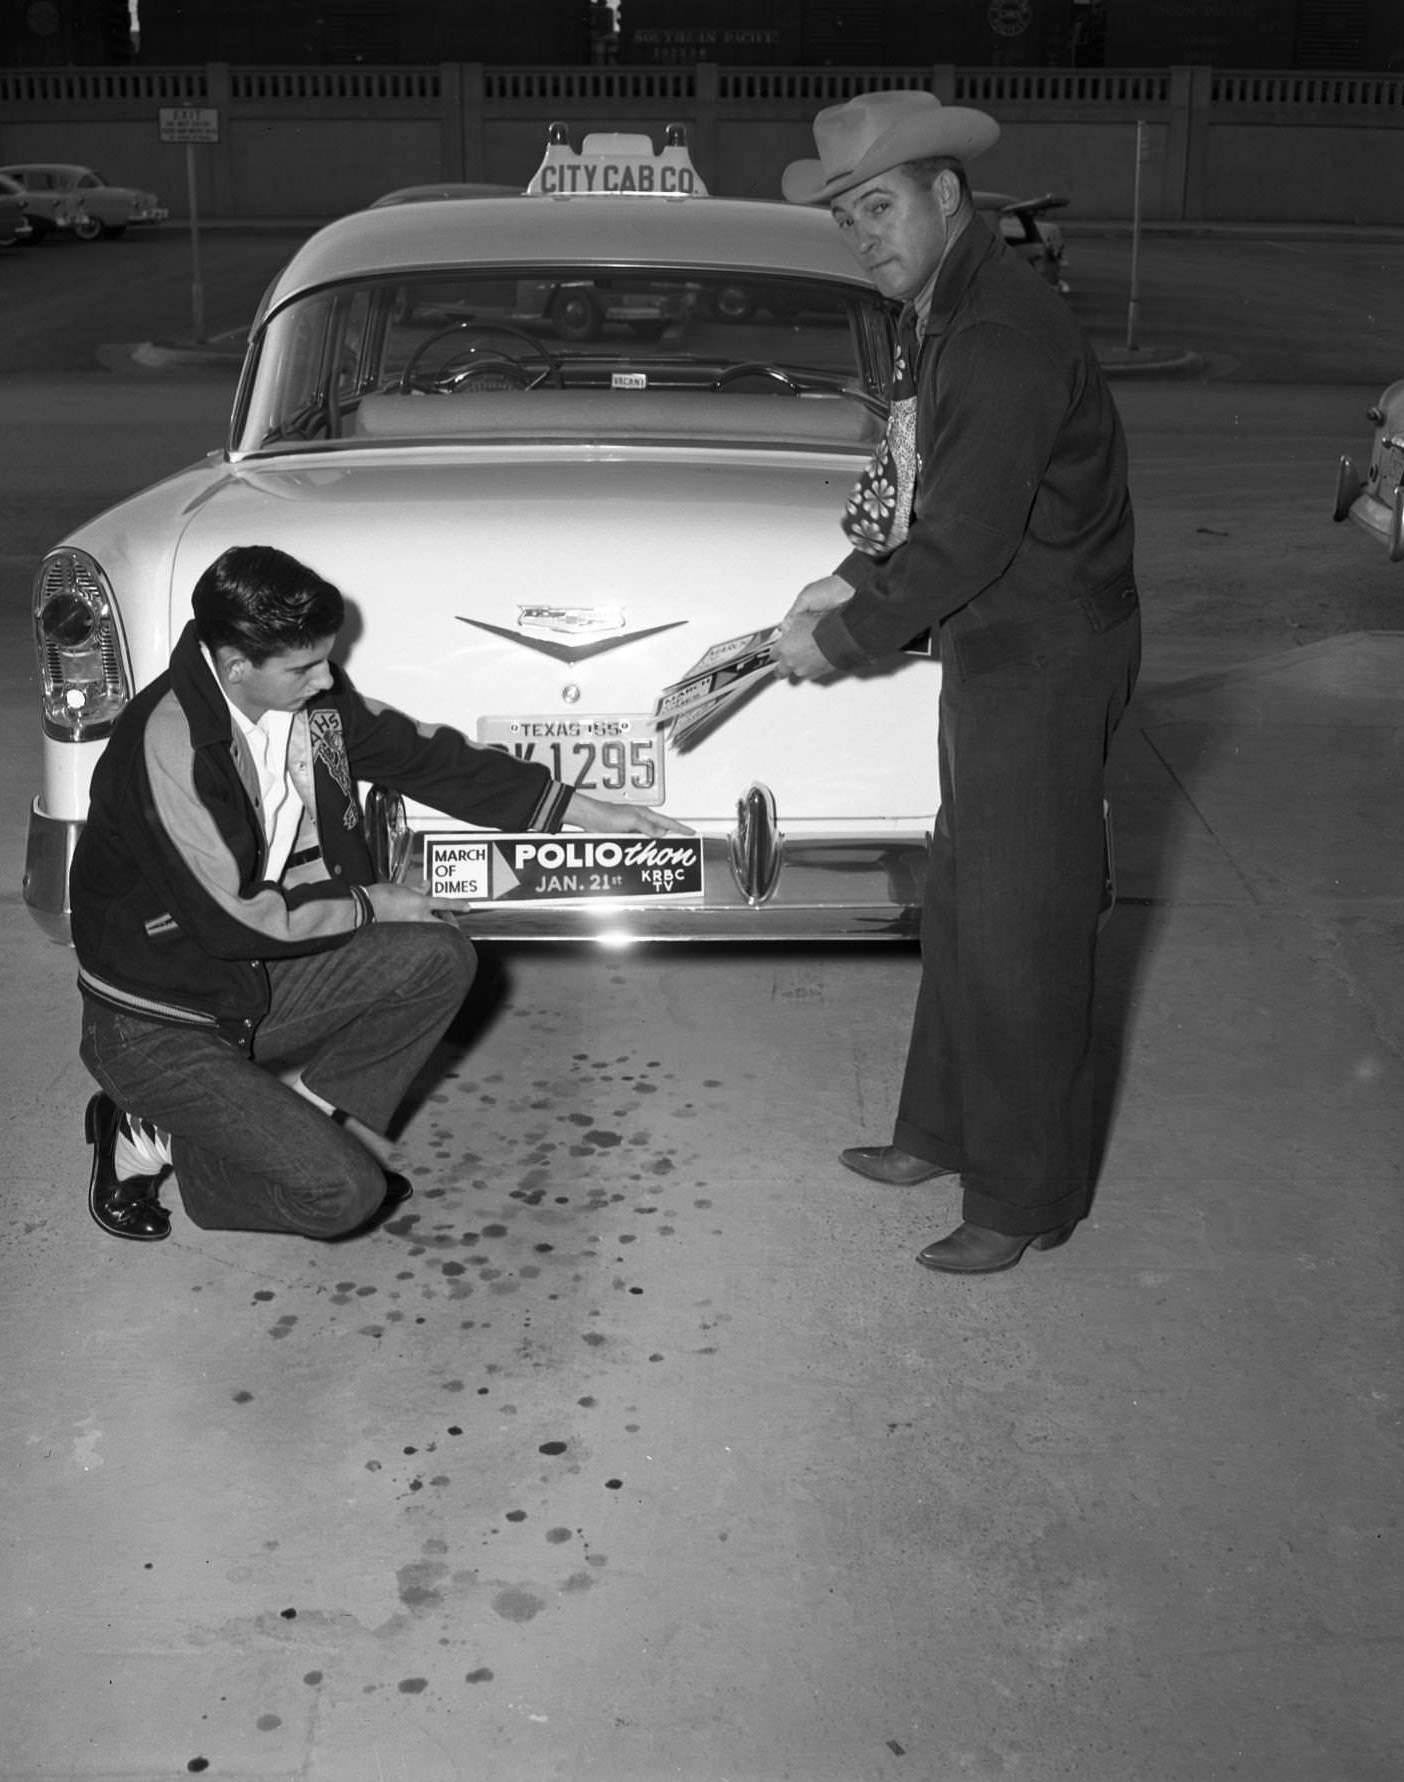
point(824, 890)
point(760, 886)
point(48, 854)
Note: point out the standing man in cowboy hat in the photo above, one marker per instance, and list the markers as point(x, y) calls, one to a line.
point(996, 517)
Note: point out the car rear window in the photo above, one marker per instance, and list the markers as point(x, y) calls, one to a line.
point(567, 353)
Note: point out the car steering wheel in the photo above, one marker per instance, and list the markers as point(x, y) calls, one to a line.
point(755, 368)
point(483, 362)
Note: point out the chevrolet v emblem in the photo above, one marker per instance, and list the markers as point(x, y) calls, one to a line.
point(570, 621)
point(569, 652)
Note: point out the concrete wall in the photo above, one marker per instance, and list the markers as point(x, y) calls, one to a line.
point(1254, 156)
point(313, 143)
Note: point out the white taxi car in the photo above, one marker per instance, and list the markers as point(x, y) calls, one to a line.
point(1375, 501)
point(550, 479)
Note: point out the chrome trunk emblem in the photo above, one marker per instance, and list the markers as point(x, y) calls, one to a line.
point(540, 626)
point(569, 621)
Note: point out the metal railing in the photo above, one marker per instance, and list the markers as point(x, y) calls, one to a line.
point(1308, 90)
point(619, 86)
point(299, 86)
point(1064, 86)
point(65, 88)
point(816, 86)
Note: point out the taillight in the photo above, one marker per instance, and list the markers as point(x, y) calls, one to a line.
point(83, 676)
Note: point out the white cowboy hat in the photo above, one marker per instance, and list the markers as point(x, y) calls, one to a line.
point(873, 132)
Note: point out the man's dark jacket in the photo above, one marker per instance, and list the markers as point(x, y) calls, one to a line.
point(172, 914)
point(1022, 520)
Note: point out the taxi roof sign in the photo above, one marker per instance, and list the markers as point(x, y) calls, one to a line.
point(612, 162)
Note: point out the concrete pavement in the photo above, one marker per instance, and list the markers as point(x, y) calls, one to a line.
point(638, 1447)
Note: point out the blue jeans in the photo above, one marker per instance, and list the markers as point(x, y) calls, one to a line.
point(250, 1153)
point(998, 1081)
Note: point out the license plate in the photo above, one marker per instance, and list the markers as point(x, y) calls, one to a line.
point(539, 868)
point(618, 756)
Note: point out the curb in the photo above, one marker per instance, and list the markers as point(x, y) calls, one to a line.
point(158, 355)
point(1148, 362)
point(1117, 228)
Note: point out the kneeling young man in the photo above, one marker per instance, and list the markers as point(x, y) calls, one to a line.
point(251, 994)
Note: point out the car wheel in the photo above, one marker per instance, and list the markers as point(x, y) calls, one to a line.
point(87, 228)
point(576, 315)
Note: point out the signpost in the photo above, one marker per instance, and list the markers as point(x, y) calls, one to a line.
point(1133, 307)
point(191, 124)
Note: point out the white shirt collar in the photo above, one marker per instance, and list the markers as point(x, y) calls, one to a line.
point(280, 807)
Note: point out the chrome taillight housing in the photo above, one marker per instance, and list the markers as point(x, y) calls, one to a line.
point(388, 833)
point(84, 680)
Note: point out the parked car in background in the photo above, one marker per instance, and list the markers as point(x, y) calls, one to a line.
point(538, 530)
point(1025, 225)
point(15, 226)
point(64, 196)
point(577, 309)
point(1375, 501)
point(49, 208)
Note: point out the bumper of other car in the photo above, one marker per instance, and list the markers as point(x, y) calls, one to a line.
point(148, 213)
point(1383, 520)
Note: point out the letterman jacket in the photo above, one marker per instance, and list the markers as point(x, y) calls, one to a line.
point(172, 916)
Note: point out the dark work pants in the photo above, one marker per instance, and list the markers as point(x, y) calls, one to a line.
point(250, 1153)
point(998, 1082)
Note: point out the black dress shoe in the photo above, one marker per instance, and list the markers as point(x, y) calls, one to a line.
point(891, 1164)
point(126, 1209)
point(397, 1190)
point(974, 1250)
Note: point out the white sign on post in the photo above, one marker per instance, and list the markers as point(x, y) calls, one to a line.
point(189, 123)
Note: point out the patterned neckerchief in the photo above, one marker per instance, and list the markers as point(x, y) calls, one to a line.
point(879, 510)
